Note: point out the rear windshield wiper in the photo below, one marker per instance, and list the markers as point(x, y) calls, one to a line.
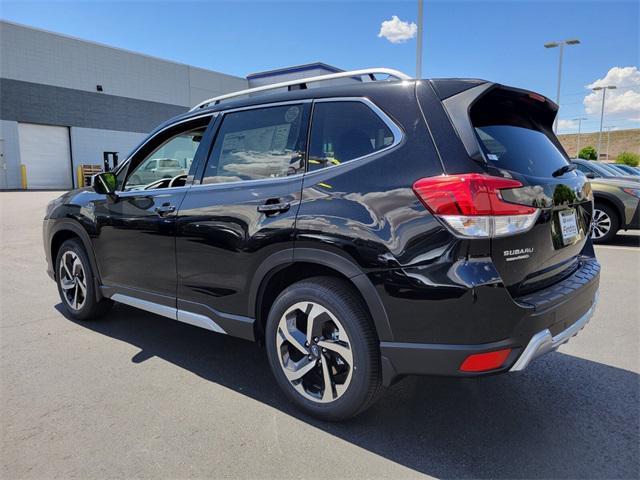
point(564, 169)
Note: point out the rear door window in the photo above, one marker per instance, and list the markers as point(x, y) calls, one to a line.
point(258, 144)
point(584, 169)
point(344, 130)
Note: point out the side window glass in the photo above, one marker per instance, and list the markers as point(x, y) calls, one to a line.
point(582, 168)
point(169, 160)
point(342, 131)
point(257, 144)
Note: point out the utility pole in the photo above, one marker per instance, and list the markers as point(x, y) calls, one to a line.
point(419, 41)
point(609, 128)
point(604, 94)
point(579, 120)
point(573, 41)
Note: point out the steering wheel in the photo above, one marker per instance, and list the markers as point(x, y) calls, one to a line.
point(157, 184)
point(176, 179)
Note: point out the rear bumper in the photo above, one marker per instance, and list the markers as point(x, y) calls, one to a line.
point(634, 222)
point(543, 342)
point(552, 317)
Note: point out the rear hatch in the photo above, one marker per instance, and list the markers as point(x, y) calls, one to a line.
point(513, 131)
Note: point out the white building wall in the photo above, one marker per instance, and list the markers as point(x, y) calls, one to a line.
point(88, 145)
point(11, 146)
point(38, 56)
point(45, 58)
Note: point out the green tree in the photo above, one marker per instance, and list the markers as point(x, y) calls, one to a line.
point(629, 158)
point(588, 153)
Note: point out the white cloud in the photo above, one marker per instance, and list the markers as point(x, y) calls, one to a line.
point(397, 31)
point(622, 103)
point(567, 125)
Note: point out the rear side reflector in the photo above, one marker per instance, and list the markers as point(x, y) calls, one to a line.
point(484, 362)
point(471, 204)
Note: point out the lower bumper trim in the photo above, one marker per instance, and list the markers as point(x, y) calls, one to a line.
point(543, 342)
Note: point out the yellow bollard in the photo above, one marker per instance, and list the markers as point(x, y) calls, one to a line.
point(80, 176)
point(23, 176)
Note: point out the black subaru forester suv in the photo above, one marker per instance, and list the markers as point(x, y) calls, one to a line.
point(361, 232)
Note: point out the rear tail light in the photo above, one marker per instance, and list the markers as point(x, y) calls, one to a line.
point(471, 205)
point(484, 362)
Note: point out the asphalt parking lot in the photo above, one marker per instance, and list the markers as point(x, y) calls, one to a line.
point(138, 395)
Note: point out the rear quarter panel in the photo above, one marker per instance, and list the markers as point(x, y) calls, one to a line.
point(365, 209)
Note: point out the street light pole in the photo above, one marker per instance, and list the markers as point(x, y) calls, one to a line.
point(604, 94)
point(609, 128)
point(579, 120)
point(573, 41)
point(419, 41)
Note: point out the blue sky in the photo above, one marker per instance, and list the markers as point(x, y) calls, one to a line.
point(501, 41)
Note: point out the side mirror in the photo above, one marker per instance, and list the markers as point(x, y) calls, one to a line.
point(105, 183)
point(590, 175)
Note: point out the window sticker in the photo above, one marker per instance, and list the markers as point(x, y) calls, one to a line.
point(291, 114)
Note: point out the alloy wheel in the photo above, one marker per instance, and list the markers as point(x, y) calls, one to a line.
point(601, 224)
point(73, 280)
point(314, 352)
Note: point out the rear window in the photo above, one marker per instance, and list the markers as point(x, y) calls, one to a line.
point(520, 149)
point(257, 144)
point(514, 132)
point(345, 130)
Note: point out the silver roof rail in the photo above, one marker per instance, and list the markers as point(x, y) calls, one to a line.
point(369, 72)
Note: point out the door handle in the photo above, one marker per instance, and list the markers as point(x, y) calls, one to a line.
point(165, 209)
point(273, 208)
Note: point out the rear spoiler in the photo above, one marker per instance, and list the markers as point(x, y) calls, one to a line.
point(458, 107)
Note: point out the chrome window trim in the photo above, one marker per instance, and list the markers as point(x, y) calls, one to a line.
point(153, 191)
point(397, 132)
point(241, 109)
point(150, 138)
point(245, 182)
point(265, 105)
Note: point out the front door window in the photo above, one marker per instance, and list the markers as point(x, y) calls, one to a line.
point(169, 162)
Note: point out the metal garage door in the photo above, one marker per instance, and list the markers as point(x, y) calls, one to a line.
point(45, 152)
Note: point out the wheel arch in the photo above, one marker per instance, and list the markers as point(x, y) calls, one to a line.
point(287, 267)
point(612, 202)
point(64, 230)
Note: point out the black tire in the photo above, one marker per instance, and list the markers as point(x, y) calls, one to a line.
point(340, 299)
point(604, 217)
point(90, 308)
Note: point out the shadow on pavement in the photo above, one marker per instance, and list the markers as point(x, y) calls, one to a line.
point(625, 240)
point(565, 417)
